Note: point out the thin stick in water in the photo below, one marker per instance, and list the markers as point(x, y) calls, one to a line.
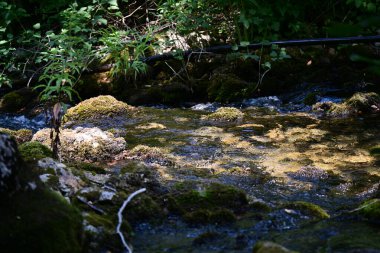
point(120, 218)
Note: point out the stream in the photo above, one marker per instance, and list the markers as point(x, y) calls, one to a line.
point(277, 154)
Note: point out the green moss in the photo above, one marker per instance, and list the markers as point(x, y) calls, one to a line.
point(143, 208)
point(375, 151)
point(370, 209)
point(222, 216)
point(204, 216)
point(91, 195)
point(226, 196)
point(21, 136)
point(53, 182)
point(216, 195)
point(259, 206)
point(270, 247)
point(34, 151)
point(98, 107)
point(17, 100)
point(356, 239)
point(88, 167)
point(97, 220)
point(226, 114)
point(226, 88)
point(309, 209)
point(201, 216)
point(206, 238)
point(363, 101)
point(39, 221)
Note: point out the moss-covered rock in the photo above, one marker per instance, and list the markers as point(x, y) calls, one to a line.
point(98, 107)
point(91, 167)
point(39, 221)
point(225, 114)
point(364, 102)
point(149, 154)
point(34, 151)
point(358, 238)
point(15, 101)
point(21, 135)
point(370, 209)
point(309, 209)
point(206, 238)
point(215, 216)
point(226, 88)
point(84, 144)
point(270, 247)
point(217, 204)
point(143, 208)
point(226, 196)
point(359, 103)
point(214, 196)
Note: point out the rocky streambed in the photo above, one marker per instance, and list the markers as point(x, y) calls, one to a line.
point(220, 179)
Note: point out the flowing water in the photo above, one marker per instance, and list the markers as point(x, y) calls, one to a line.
point(276, 154)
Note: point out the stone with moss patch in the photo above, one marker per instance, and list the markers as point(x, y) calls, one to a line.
point(39, 221)
point(34, 151)
point(226, 88)
point(309, 209)
point(358, 238)
point(270, 247)
point(149, 154)
point(144, 208)
point(15, 101)
point(226, 114)
point(359, 103)
point(84, 144)
point(204, 216)
point(216, 204)
point(21, 135)
point(370, 209)
point(97, 108)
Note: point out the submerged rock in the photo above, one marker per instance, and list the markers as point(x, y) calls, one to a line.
point(226, 114)
point(84, 144)
point(270, 247)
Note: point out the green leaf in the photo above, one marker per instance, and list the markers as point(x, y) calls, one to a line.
point(112, 2)
point(37, 26)
point(267, 65)
point(244, 43)
point(102, 21)
point(3, 42)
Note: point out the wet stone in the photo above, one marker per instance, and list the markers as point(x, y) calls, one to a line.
point(309, 174)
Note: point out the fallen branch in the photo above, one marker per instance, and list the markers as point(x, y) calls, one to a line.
point(120, 218)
